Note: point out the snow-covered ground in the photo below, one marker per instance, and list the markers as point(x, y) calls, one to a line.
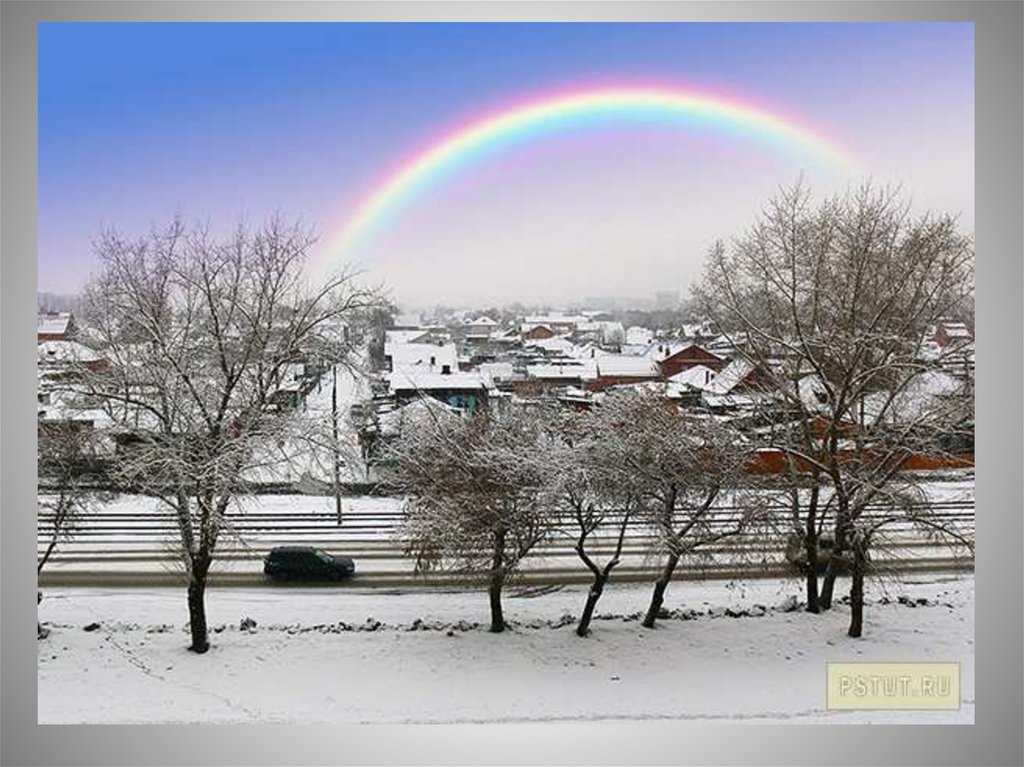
point(342, 655)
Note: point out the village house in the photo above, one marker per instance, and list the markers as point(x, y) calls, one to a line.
point(55, 326)
point(618, 369)
point(675, 358)
point(466, 391)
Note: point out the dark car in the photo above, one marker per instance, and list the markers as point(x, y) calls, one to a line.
point(306, 563)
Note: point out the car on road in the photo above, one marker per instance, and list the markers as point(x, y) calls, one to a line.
point(306, 563)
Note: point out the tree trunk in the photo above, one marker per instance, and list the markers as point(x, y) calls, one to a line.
point(197, 607)
point(857, 593)
point(828, 584)
point(596, 589)
point(811, 547)
point(335, 450)
point(658, 598)
point(497, 580)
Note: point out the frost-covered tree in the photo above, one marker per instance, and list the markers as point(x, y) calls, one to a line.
point(199, 334)
point(834, 306)
point(594, 499)
point(68, 454)
point(688, 472)
point(474, 493)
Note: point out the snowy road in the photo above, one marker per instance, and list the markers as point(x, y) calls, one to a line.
point(130, 542)
point(361, 656)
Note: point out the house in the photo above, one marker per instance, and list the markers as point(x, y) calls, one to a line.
point(406, 336)
point(60, 356)
point(738, 386)
point(54, 326)
point(739, 376)
point(555, 345)
point(436, 358)
point(559, 324)
point(546, 377)
point(952, 333)
point(497, 371)
point(466, 391)
point(480, 328)
point(696, 377)
point(538, 333)
point(618, 369)
point(679, 358)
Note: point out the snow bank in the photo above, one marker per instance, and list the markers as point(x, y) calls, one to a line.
point(317, 656)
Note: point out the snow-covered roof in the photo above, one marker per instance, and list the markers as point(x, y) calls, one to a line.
point(636, 335)
point(58, 352)
point(556, 319)
point(411, 380)
point(914, 402)
point(417, 411)
point(956, 330)
point(422, 356)
point(569, 372)
point(498, 371)
point(730, 377)
point(624, 365)
point(697, 377)
point(394, 336)
point(556, 344)
point(589, 351)
point(53, 323)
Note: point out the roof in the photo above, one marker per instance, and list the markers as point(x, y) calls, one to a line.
point(409, 380)
point(556, 344)
point(53, 352)
point(395, 336)
point(419, 356)
point(569, 372)
point(555, 319)
point(623, 365)
point(53, 323)
point(730, 377)
point(416, 411)
point(497, 370)
point(697, 377)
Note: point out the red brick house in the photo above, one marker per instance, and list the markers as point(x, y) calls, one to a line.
point(538, 333)
point(949, 333)
point(55, 327)
point(691, 355)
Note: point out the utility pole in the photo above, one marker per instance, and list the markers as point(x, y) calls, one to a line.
point(334, 442)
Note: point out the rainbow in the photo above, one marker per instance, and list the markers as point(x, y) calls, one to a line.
point(494, 130)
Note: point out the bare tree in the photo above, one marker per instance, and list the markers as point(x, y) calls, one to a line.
point(832, 305)
point(198, 334)
point(474, 490)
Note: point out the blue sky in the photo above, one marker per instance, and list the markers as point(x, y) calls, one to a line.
point(218, 122)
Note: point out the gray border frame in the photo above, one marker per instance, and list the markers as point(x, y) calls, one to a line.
point(996, 736)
